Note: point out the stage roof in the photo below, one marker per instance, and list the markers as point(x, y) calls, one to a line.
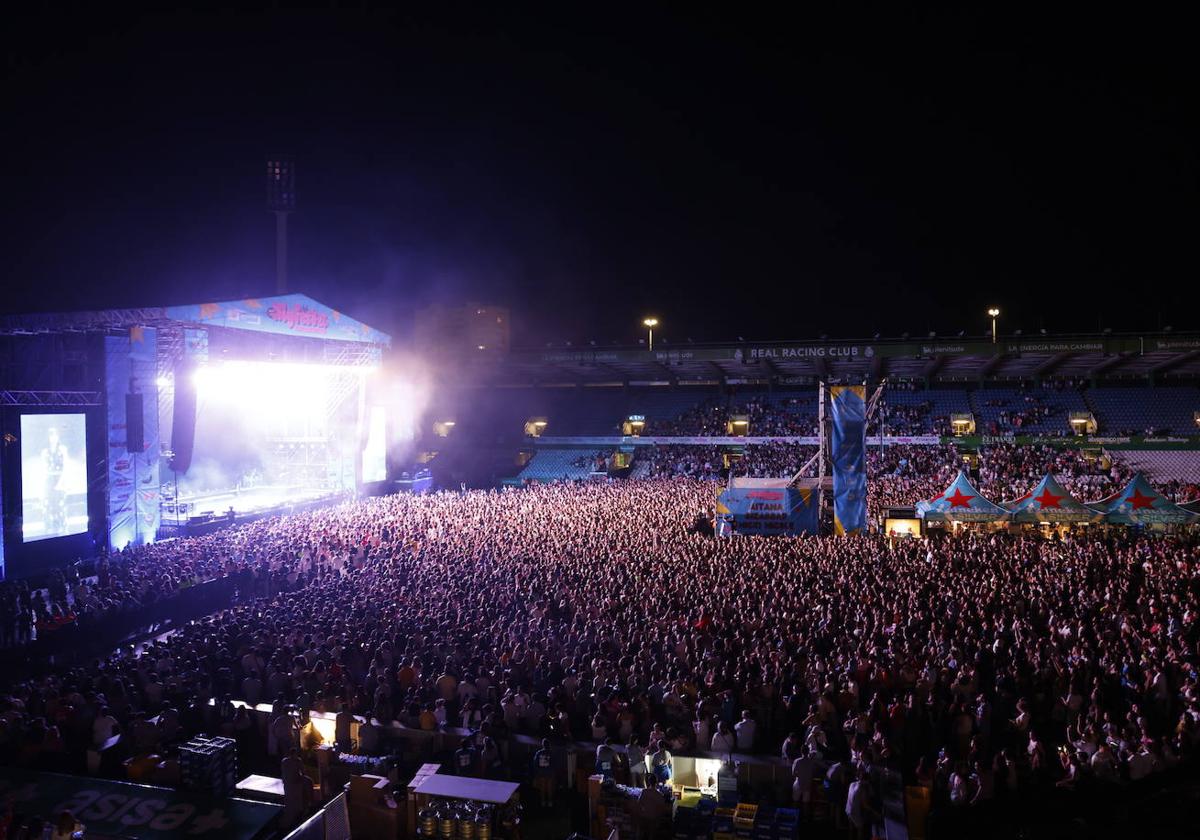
point(294, 315)
point(1106, 355)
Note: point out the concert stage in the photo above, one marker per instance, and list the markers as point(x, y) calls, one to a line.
point(202, 514)
point(250, 500)
point(278, 393)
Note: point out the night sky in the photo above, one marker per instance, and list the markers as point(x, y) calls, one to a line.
point(734, 174)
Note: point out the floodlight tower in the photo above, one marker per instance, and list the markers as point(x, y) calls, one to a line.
point(281, 200)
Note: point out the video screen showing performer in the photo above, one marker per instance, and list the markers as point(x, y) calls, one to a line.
point(53, 475)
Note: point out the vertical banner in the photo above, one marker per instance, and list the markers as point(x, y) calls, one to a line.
point(3, 446)
point(131, 366)
point(849, 404)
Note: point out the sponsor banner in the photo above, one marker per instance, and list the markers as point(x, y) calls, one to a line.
point(650, 440)
point(849, 409)
point(752, 510)
point(133, 492)
point(283, 315)
point(753, 354)
point(1082, 346)
point(1070, 442)
point(1175, 344)
point(120, 809)
point(817, 351)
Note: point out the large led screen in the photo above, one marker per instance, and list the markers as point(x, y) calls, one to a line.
point(53, 475)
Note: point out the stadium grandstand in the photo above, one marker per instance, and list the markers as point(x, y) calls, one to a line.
point(1083, 393)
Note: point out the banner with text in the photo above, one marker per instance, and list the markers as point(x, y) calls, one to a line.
point(282, 315)
point(754, 510)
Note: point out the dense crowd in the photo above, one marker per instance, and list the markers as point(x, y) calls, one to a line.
point(978, 664)
point(783, 416)
point(776, 459)
point(901, 475)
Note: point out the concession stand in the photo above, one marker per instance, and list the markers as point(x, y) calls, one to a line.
point(1140, 504)
point(465, 808)
point(961, 505)
point(1051, 507)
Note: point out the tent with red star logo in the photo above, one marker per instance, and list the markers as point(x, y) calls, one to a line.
point(960, 503)
point(1140, 504)
point(1048, 501)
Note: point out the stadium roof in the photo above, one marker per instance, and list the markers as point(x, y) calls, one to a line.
point(1108, 355)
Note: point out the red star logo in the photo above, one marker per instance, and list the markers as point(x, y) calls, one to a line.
point(1048, 499)
point(959, 499)
point(1139, 501)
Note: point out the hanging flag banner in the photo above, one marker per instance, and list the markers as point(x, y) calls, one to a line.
point(849, 440)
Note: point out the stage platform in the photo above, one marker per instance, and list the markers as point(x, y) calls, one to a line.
point(204, 513)
point(250, 500)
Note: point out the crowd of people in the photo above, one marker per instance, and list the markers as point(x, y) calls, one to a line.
point(1030, 411)
point(903, 474)
point(982, 666)
point(776, 459)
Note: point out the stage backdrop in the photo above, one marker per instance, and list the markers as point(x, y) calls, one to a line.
point(849, 458)
point(133, 478)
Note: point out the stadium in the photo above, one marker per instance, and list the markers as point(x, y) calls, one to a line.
point(993, 474)
point(655, 427)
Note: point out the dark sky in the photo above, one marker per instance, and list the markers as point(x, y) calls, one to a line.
point(734, 173)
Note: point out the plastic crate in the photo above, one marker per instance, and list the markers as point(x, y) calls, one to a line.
point(787, 823)
point(764, 825)
point(744, 816)
point(723, 820)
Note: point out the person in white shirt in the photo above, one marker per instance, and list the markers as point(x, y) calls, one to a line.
point(802, 776)
point(637, 762)
point(1142, 763)
point(103, 727)
point(745, 729)
point(858, 806)
point(724, 740)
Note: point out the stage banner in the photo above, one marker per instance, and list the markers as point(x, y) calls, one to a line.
point(282, 315)
point(133, 478)
point(849, 458)
point(759, 510)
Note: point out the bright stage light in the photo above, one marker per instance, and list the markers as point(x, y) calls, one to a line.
point(270, 392)
point(163, 382)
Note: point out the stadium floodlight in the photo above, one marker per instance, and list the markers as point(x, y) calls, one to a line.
point(994, 313)
point(281, 200)
point(650, 324)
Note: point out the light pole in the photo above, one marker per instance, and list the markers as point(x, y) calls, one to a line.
point(650, 324)
point(994, 313)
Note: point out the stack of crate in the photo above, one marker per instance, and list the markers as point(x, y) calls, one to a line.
point(209, 764)
point(722, 824)
point(743, 821)
point(694, 821)
point(787, 824)
point(764, 824)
